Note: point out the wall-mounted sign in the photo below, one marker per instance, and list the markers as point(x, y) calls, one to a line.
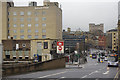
point(60, 47)
point(41, 7)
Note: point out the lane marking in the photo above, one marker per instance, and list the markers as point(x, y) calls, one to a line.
point(106, 72)
point(52, 74)
point(62, 77)
point(84, 76)
point(96, 64)
point(93, 72)
point(108, 68)
point(116, 76)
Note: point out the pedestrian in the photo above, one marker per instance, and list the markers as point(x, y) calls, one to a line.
point(78, 62)
point(85, 59)
point(72, 60)
point(98, 59)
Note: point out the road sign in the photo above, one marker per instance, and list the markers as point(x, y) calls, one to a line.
point(60, 47)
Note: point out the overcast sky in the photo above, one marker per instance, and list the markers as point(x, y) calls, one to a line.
point(79, 13)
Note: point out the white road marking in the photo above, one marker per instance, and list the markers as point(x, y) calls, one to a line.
point(52, 74)
point(84, 76)
point(93, 72)
point(96, 71)
point(106, 72)
point(96, 64)
point(62, 77)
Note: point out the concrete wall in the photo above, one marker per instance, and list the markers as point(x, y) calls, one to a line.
point(0, 22)
point(20, 69)
point(0, 61)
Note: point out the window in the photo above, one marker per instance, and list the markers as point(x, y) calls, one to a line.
point(36, 31)
point(21, 13)
point(29, 13)
point(14, 19)
point(22, 25)
point(14, 37)
point(22, 37)
point(29, 25)
point(43, 30)
point(14, 57)
point(29, 19)
point(43, 36)
point(36, 36)
point(8, 31)
point(43, 24)
point(36, 13)
point(21, 31)
point(14, 13)
point(8, 25)
point(15, 25)
point(43, 12)
point(43, 18)
point(36, 25)
point(45, 45)
point(29, 30)
point(36, 19)
point(14, 31)
point(21, 19)
point(20, 57)
point(26, 57)
point(29, 36)
point(8, 13)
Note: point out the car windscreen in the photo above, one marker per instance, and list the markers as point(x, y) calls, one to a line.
point(111, 58)
point(93, 54)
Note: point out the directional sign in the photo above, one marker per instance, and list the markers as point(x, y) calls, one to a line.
point(60, 47)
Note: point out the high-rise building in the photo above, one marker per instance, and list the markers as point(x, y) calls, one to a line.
point(41, 25)
point(4, 18)
point(0, 22)
point(114, 37)
point(119, 30)
point(35, 22)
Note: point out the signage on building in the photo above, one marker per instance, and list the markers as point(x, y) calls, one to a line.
point(60, 47)
point(41, 7)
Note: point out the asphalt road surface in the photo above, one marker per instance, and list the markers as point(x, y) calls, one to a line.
point(91, 69)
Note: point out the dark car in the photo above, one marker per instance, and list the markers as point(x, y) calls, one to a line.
point(94, 56)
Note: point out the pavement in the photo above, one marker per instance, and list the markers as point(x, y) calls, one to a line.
point(90, 70)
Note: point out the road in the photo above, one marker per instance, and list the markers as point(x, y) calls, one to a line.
point(91, 69)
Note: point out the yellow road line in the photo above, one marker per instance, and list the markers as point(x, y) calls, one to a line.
point(116, 76)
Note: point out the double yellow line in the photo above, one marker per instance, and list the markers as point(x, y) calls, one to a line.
point(116, 76)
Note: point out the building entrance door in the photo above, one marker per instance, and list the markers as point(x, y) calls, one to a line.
point(40, 58)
